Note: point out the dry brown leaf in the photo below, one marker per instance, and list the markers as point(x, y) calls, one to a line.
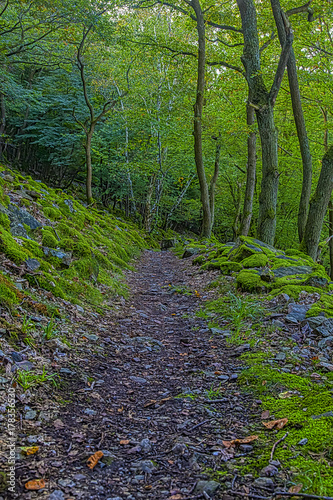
point(277, 424)
point(296, 488)
point(236, 442)
point(265, 414)
point(35, 484)
point(124, 441)
point(58, 424)
point(94, 459)
point(30, 450)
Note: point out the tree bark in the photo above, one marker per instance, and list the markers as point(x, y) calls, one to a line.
point(2, 122)
point(250, 175)
point(263, 102)
point(206, 228)
point(318, 206)
point(299, 121)
point(214, 178)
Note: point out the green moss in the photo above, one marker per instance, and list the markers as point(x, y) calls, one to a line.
point(34, 248)
point(230, 267)
point(81, 248)
point(4, 221)
point(217, 263)
point(257, 260)
point(66, 244)
point(294, 290)
point(250, 281)
point(12, 249)
point(48, 239)
point(52, 213)
point(9, 295)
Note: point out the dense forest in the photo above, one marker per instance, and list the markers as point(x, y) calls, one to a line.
point(211, 117)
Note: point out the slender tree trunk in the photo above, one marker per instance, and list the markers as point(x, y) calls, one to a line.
point(299, 121)
point(250, 174)
point(87, 148)
point(2, 122)
point(213, 181)
point(148, 212)
point(318, 206)
point(330, 243)
point(197, 132)
point(177, 203)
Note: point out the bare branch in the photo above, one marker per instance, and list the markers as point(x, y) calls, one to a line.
point(281, 66)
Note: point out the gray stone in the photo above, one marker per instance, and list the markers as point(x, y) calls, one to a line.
point(303, 442)
point(32, 264)
point(281, 356)
point(327, 366)
point(3, 380)
point(66, 483)
point(316, 281)
point(67, 371)
point(323, 343)
point(18, 230)
point(297, 312)
point(45, 415)
point(57, 495)
point(92, 337)
point(138, 380)
point(30, 415)
point(79, 309)
point(145, 445)
point(189, 252)
point(223, 377)
point(327, 414)
point(145, 466)
point(326, 328)
point(70, 205)
point(285, 257)
point(264, 482)
point(16, 356)
point(20, 216)
point(209, 487)
point(269, 471)
point(246, 448)
point(169, 243)
point(278, 323)
point(25, 365)
point(314, 321)
point(89, 412)
point(281, 272)
point(64, 257)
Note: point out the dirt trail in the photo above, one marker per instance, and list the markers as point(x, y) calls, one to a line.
point(145, 399)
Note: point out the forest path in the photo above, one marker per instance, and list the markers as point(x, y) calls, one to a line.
point(149, 407)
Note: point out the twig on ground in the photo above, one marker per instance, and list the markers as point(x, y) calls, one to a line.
point(249, 495)
point(278, 442)
point(223, 400)
point(233, 481)
point(198, 425)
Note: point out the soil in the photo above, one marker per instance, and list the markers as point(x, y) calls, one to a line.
point(142, 393)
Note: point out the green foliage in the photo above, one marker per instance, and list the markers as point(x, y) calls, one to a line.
point(48, 239)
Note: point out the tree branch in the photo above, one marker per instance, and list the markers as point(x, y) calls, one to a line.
point(282, 63)
point(81, 68)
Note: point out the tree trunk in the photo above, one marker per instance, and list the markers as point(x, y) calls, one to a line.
point(197, 132)
point(2, 122)
point(299, 122)
point(214, 179)
point(250, 175)
point(87, 148)
point(318, 206)
point(330, 243)
point(263, 102)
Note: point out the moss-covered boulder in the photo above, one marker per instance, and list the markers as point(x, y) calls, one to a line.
point(255, 260)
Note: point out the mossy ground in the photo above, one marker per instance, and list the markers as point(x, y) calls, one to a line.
point(263, 378)
point(101, 245)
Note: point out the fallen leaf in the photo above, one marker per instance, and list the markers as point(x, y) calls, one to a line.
point(58, 424)
point(296, 488)
point(278, 424)
point(217, 373)
point(178, 496)
point(35, 484)
point(30, 450)
point(265, 414)
point(94, 459)
point(264, 382)
point(120, 410)
point(124, 441)
point(236, 442)
point(287, 394)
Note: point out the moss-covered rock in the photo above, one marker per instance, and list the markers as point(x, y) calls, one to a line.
point(255, 260)
point(230, 267)
point(250, 281)
point(48, 239)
